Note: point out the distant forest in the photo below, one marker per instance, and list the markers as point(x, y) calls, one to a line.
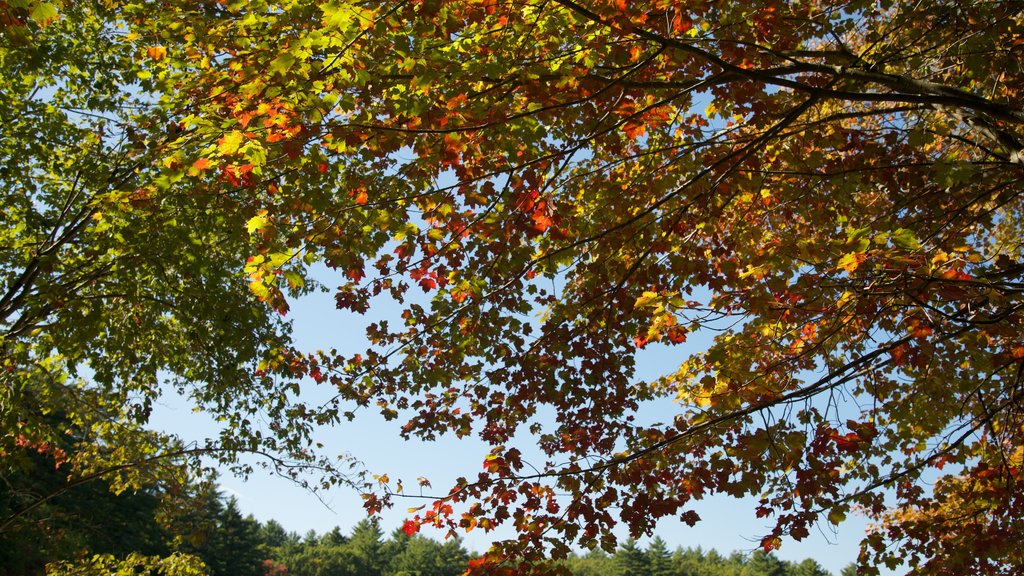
point(89, 519)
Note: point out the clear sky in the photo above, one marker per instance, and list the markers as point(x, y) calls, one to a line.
point(727, 524)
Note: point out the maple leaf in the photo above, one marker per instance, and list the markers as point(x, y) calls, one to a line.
point(228, 144)
point(257, 222)
point(410, 527)
point(634, 129)
point(44, 13)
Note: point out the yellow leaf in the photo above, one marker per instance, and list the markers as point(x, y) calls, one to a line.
point(648, 298)
point(851, 261)
point(229, 143)
point(257, 222)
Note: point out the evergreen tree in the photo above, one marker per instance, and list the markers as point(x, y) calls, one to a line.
point(365, 544)
point(688, 562)
point(419, 558)
point(322, 561)
point(273, 536)
point(762, 563)
point(85, 518)
point(216, 531)
point(235, 544)
point(395, 546)
point(808, 568)
point(659, 558)
point(631, 560)
point(333, 538)
point(452, 557)
point(594, 563)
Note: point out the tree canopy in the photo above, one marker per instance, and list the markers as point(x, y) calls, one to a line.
point(832, 189)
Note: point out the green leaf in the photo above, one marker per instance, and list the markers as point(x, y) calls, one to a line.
point(904, 238)
point(837, 515)
point(43, 13)
point(283, 63)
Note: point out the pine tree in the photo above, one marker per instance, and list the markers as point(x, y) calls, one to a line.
point(631, 560)
point(659, 558)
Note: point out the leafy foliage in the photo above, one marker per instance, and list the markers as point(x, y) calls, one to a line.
point(84, 518)
point(547, 189)
point(833, 188)
point(121, 278)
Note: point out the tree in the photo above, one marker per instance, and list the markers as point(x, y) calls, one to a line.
point(366, 545)
point(659, 558)
point(273, 535)
point(631, 560)
point(322, 561)
point(236, 543)
point(809, 568)
point(119, 281)
point(421, 556)
point(765, 564)
point(691, 561)
point(86, 518)
point(594, 563)
point(334, 537)
point(832, 189)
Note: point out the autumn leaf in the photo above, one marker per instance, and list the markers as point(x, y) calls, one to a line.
point(258, 222)
point(228, 144)
point(199, 166)
point(850, 262)
point(410, 527)
point(43, 13)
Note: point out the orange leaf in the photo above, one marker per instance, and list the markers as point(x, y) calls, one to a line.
point(634, 129)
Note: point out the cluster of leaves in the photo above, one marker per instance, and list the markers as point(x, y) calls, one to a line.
point(833, 188)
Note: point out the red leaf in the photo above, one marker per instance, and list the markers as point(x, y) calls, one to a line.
point(682, 24)
point(410, 528)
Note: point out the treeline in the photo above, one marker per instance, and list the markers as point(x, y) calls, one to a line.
point(43, 524)
point(657, 560)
